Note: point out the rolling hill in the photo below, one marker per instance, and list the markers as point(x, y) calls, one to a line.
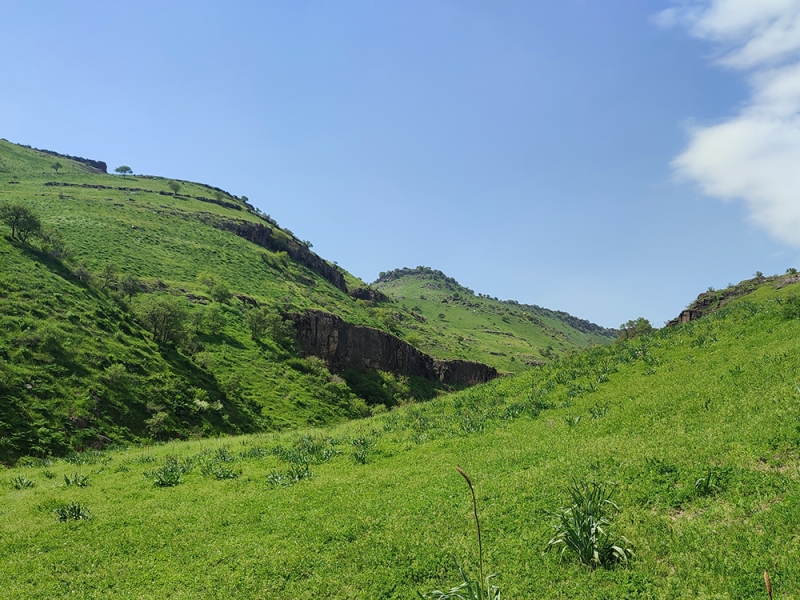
point(84, 358)
point(506, 334)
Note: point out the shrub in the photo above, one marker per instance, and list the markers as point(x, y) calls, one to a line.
point(583, 528)
point(220, 293)
point(791, 307)
point(215, 320)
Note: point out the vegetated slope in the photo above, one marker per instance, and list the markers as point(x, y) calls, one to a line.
point(460, 324)
point(69, 339)
point(696, 425)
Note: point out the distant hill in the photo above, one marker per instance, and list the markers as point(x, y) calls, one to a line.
point(454, 322)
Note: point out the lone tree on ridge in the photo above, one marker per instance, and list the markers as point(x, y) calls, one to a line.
point(124, 170)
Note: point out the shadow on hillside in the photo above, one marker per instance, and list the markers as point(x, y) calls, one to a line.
point(240, 419)
point(222, 338)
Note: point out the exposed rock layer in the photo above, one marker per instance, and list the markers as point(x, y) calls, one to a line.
point(343, 345)
point(265, 236)
point(712, 300)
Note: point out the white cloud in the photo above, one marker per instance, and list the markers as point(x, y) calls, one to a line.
point(755, 156)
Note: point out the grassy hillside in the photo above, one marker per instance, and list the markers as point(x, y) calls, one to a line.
point(696, 429)
point(454, 322)
point(77, 367)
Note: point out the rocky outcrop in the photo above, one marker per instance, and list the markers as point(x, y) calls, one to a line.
point(712, 300)
point(265, 237)
point(463, 371)
point(369, 294)
point(343, 345)
point(93, 166)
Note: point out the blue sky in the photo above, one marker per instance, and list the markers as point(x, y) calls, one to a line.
point(608, 158)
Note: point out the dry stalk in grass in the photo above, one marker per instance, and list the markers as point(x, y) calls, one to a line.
point(477, 522)
point(768, 583)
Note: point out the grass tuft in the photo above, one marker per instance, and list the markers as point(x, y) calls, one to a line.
point(584, 527)
point(74, 511)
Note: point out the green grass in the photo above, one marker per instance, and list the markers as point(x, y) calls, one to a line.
point(659, 413)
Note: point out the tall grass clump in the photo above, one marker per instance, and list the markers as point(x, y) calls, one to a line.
point(20, 482)
point(470, 589)
point(171, 473)
point(584, 527)
point(74, 511)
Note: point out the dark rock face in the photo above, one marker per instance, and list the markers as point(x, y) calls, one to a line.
point(264, 237)
point(463, 371)
point(369, 294)
point(343, 345)
point(96, 166)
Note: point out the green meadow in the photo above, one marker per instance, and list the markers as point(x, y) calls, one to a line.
point(694, 430)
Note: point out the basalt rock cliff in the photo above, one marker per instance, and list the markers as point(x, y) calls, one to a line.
point(343, 345)
point(265, 237)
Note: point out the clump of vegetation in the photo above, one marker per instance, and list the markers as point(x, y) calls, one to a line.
point(362, 447)
point(584, 527)
point(74, 511)
point(20, 482)
point(710, 483)
point(171, 473)
point(164, 316)
point(76, 480)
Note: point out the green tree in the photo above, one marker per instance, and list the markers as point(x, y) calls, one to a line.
point(164, 316)
point(54, 244)
point(108, 275)
point(56, 166)
point(215, 320)
point(635, 328)
point(130, 286)
point(256, 319)
point(124, 170)
point(174, 186)
point(220, 293)
point(22, 221)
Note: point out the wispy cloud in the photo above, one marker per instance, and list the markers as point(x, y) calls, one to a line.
point(754, 156)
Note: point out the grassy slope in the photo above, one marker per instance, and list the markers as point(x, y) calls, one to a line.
point(716, 393)
point(157, 239)
point(160, 239)
point(506, 335)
